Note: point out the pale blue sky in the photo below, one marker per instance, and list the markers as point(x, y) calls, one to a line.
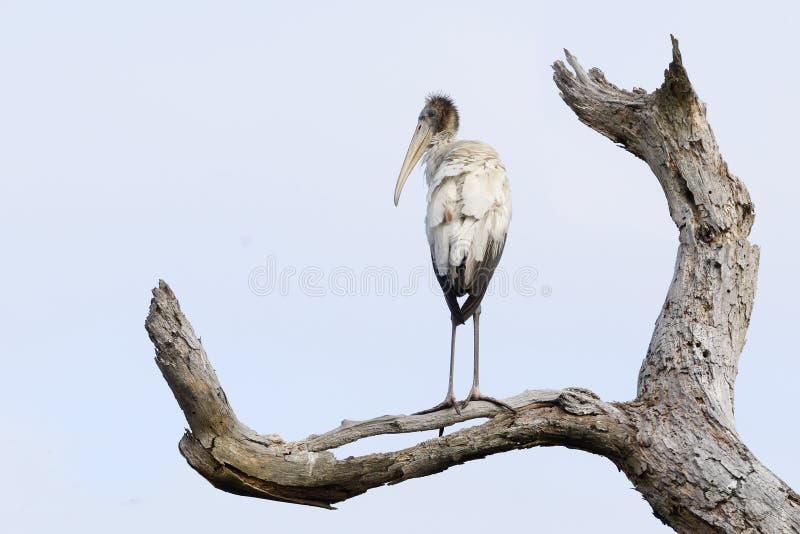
point(192, 141)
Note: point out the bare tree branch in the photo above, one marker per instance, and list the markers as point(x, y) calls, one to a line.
point(239, 460)
point(677, 441)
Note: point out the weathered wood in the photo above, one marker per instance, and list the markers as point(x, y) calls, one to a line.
point(237, 459)
point(676, 441)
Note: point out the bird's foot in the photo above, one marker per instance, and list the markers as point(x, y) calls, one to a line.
point(448, 402)
point(476, 395)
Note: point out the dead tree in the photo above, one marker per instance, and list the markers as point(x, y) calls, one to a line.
point(676, 441)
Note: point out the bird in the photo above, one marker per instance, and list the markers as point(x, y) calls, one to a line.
point(466, 221)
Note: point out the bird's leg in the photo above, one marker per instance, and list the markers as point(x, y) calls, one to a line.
point(475, 391)
point(449, 399)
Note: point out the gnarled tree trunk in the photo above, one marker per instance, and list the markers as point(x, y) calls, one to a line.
point(676, 441)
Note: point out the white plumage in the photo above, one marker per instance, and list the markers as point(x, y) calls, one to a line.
point(469, 204)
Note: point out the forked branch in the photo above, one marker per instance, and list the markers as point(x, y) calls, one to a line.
point(676, 442)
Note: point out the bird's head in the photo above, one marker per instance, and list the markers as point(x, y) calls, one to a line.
point(438, 117)
point(440, 114)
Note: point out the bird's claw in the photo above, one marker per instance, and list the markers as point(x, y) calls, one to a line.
point(475, 395)
point(448, 402)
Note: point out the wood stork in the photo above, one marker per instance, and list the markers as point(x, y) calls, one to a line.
point(469, 210)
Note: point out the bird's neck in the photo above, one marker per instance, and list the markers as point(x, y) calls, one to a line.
point(442, 139)
point(437, 150)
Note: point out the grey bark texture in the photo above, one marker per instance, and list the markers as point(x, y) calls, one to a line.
point(676, 442)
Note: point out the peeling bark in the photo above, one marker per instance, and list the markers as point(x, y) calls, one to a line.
point(676, 442)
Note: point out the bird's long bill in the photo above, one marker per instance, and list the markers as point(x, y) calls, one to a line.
point(422, 136)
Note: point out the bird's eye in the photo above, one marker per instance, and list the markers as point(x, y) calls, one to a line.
point(430, 113)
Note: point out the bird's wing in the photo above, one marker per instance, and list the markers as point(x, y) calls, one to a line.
point(443, 221)
point(486, 215)
point(469, 211)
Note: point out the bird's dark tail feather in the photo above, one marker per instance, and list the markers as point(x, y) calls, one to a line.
point(468, 309)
